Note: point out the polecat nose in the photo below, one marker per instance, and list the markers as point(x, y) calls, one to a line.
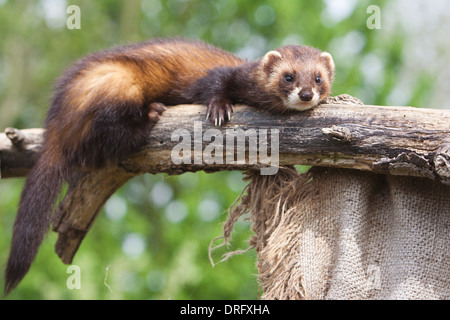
point(306, 95)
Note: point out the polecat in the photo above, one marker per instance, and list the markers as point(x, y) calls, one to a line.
point(106, 104)
point(291, 77)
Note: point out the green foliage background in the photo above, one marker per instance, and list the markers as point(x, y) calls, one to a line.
point(151, 239)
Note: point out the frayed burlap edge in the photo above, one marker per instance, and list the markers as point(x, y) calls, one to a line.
point(346, 234)
point(269, 200)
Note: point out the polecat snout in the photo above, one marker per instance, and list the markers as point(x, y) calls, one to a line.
point(106, 104)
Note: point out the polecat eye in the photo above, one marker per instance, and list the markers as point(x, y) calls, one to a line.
point(318, 79)
point(288, 78)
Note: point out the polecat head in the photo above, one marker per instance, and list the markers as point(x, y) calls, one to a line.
point(301, 75)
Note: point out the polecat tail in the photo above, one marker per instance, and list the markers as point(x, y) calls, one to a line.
point(41, 189)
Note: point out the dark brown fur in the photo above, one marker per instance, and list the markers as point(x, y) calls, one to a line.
point(103, 109)
point(105, 105)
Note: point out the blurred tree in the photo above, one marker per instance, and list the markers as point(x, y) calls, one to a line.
point(151, 239)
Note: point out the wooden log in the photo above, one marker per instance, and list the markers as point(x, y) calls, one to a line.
point(83, 201)
point(19, 150)
point(385, 140)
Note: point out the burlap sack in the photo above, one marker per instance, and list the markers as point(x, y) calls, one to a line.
point(347, 234)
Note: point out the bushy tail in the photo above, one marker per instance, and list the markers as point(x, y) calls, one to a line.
point(42, 187)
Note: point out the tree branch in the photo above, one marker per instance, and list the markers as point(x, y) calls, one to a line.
point(19, 150)
point(385, 140)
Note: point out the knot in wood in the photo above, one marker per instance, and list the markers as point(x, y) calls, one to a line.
point(340, 134)
point(15, 136)
point(442, 162)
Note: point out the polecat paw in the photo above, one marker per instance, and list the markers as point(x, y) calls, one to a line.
point(219, 112)
point(155, 110)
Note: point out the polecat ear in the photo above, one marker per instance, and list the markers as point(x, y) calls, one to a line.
point(269, 60)
point(328, 60)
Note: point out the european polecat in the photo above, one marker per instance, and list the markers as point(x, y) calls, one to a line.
point(291, 77)
point(105, 105)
